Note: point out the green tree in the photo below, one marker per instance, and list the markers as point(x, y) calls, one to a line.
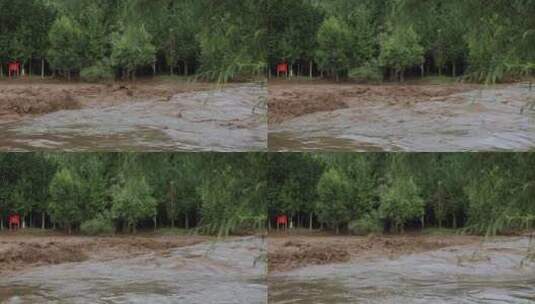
point(65, 46)
point(400, 198)
point(66, 206)
point(132, 49)
point(333, 203)
point(133, 201)
point(400, 50)
point(334, 41)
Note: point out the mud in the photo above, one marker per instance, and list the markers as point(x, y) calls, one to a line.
point(152, 118)
point(225, 271)
point(24, 99)
point(426, 118)
point(23, 251)
point(298, 251)
point(493, 271)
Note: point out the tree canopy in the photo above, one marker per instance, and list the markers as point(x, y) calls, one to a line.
point(480, 193)
point(215, 193)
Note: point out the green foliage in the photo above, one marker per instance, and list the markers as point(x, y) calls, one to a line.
point(401, 202)
point(133, 201)
point(334, 40)
point(333, 203)
point(369, 72)
point(370, 223)
point(97, 73)
point(101, 225)
point(65, 45)
point(400, 50)
point(133, 49)
point(66, 206)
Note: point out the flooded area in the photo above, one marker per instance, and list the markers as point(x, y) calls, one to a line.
point(495, 271)
point(228, 271)
point(229, 119)
point(388, 118)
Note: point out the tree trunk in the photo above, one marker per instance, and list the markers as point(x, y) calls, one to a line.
point(42, 68)
point(172, 222)
point(186, 220)
point(1, 71)
point(310, 222)
point(171, 70)
point(337, 229)
point(186, 68)
point(30, 68)
point(43, 220)
point(1, 223)
point(454, 222)
point(422, 70)
point(69, 229)
point(155, 220)
point(310, 69)
point(154, 69)
point(423, 222)
point(454, 69)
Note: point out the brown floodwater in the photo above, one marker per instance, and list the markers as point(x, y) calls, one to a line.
point(229, 119)
point(496, 271)
point(489, 119)
point(228, 271)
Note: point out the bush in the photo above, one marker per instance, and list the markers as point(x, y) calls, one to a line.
point(97, 73)
point(97, 226)
point(368, 224)
point(369, 72)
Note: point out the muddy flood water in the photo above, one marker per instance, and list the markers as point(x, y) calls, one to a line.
point(230, 119)
point(496, 271)
point(230, 271)
point(490, 119)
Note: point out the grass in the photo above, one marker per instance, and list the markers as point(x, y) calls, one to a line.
point(440, 231)
point(174, 231)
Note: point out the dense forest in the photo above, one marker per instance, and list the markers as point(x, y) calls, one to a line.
point(230, 39)
point(485, 41)
point(374, 193)
point(105, 193)
point(102, 39)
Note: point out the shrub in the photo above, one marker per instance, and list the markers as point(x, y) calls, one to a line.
point(98, 225)
point(369, 72)
point(369, 224)
point(97, 73)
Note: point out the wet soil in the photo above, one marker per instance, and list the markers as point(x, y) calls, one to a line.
point(296, 251)
point(147, 117)
point(413, 117)
point(23, 251)
point(22, 99)
point(454, 270)
point(288, 100)
point(215, 271)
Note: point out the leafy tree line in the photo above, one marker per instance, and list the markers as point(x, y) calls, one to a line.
point(101, 39)
point(216, 193)
point(484, 40)
point(363, 193)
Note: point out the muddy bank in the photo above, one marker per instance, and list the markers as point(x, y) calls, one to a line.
point(232, 118)
point(21, 251)
point(494, 271)
point(290, 100)
point(222, 271)
point(22, 99)
point(296, 251)
point(422, 118)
